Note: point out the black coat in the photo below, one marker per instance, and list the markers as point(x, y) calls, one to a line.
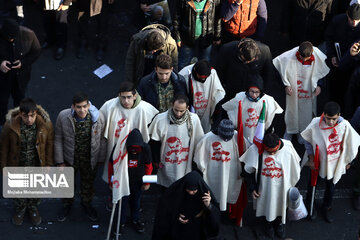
point(340, 31)
point(171, 205)
point(306, 20)
point(185, 19)
point(147, 87)
point(234, 74)
point(25, 48)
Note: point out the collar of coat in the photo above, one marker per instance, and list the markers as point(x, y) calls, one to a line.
point(206, 7)
point(14, 119)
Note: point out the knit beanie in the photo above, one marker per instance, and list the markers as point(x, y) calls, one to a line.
point(226, 130)
point(354, 11)
point(203, 68)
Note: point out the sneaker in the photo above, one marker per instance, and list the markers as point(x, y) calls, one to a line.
point(64, 213)
point(138, 226)
point(91, 212)
point(280, 230)
point(35, 216)
point(356, 202)
point(327, 215)
point(18, 217)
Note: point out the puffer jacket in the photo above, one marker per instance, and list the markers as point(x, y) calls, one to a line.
point(10, 138)
point(64, 146)
point(185, 19)
point(135, 57)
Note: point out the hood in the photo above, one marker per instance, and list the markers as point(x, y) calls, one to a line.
point(40, 111)
point(164, 31)
point(135, 138)
point(94, 112)
point(255, 80)
point(10, 29)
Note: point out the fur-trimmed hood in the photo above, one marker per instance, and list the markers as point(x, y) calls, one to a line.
point(12, 113)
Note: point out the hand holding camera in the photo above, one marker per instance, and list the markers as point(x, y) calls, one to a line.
point(355, 49)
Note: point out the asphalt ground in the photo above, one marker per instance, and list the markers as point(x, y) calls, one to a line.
point(54, 82)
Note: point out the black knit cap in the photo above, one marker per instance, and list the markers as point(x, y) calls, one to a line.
point(354, 11)
point(255, 80)
point(226, 130)
point(9, 29)
point(202, 67)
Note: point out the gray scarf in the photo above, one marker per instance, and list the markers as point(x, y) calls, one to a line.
point(185, 118)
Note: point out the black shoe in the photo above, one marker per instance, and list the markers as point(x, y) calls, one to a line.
point(59, 53)
point(64, 213)
point(91, 212)
point(121, 230)
point(314, 213)
point(81, 50)
point(327, 215)
point(100, 54)
point(280, 230)
point(139, 226)
point(269, 230)
point(356, 202)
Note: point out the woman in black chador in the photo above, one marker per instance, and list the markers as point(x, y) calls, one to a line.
point(187, 210)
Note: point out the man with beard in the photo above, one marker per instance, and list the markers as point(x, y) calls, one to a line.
point(179, 131)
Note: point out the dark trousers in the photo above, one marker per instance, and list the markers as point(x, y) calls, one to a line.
point(101, 21)
point(356, 186)
point(87, 178)
point(134, 201)
point(9, 85)
point(55, 24)
point(329, 192)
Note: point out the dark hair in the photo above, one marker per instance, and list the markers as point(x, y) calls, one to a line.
point(127, 87)
point(181, 98)
point(332, 109)
point(154, 41)
point(80, 97)
point(27, 105)
point(271, 140)
point(163, 61)
point(306, 49)
point(248, 49)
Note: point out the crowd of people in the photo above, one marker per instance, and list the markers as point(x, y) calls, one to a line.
point(194, 108)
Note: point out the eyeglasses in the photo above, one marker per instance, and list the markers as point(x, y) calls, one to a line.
point(254, 92)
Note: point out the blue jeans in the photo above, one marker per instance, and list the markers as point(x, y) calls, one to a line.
point(186, 53)
point(134, 201)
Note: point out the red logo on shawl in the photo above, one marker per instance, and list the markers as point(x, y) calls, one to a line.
point(120, 125)
point(200, 101)
point(252, 119)
point(335, 145)
point(270, 169)
point(301, 92)
point(219, 154)
point(177, 154)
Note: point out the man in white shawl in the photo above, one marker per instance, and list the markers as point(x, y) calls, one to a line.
point(270, 175)
point(251, 105)
point(300, 69)
point(125, 112)
point(205, 90)
point(337, 143)
point(217, 157)
point(178, 131)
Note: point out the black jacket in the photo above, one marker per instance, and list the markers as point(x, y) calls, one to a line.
point(340, 31)
point(306, 20)
point(25, 48)
point(147, 87)
point(234, 74)
point(185, 18)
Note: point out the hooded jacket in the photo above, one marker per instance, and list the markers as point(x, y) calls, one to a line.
point(143, 159)
point(135, 57)
point(10, 138)
point(64, 147)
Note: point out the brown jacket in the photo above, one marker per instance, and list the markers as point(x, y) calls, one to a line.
point(10, 138)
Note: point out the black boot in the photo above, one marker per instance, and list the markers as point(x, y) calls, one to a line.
point(327, 214)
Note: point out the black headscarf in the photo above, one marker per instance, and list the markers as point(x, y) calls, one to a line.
point(176, 201)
